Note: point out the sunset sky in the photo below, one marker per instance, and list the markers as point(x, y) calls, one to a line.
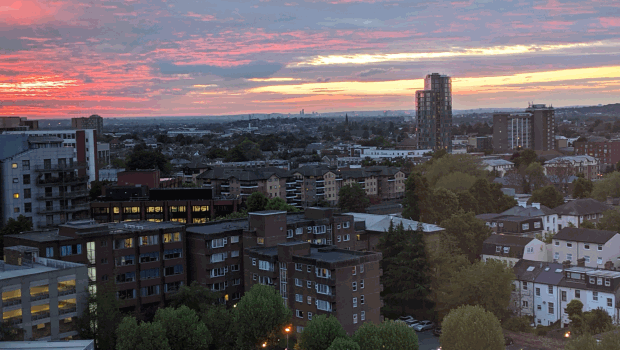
point(65, 58)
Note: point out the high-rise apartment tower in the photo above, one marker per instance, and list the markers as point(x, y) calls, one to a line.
point(533, 129)
point(434, 113)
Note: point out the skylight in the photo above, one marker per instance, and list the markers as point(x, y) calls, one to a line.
point(546, 269)
point(558, 270)
point(531, 268)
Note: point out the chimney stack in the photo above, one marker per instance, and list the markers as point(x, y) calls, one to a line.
point(566, 264)
point(609, 265)
point(536, 205)
point(581, 262)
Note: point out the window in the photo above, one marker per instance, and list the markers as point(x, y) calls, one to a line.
point(234, 267)
point(556, 256)
point(339, 238)
point(599, 260)
point(234, 239)
point(309, 269)
point(289, 233)
point(14, 165)
point(354, 302)
point(347, 238)
point(577, 293)
point(148, 240)
point(25, 164)
point(551, 309)
point(498, 249)
point(16, 195)
point(300, 329)
point(599, 281)
point(298, 282)
point(27, 193)
point(524, 285)
point(149, 274)
point(49, 252)
point(174, 253)
point(323, 305)
point(172, 237)
point(310, 316)
point(569, 257)
point(173, 270)
point(525, 227)
point(221, 257)
point(563, 295)
point(586, 246)
point(595, 296)
point(298, 266)
point(309, 300)
point(149, 257)
point(72, 249)
point(234, 254)
point(537, 225)
point(354, 286)
point(537, 291)
point(125, 260)
point(299, 313)
point(506, 250)
point(309, 284)
point(557, 243)
point(569, 244)
point(607, 282)
point(550, 291)
point(123, 243)
point(126, 277)
point(524, 303)
point(126, 294)
point(354, 318)
point(600, 247)
point(260, 240)
point(362, 300)
point(587, 259)
point(150, 290)
point(530, 250)
point(346, 224)
point(362, 284)
point(361, 268)
point(299, 231)
point(104, 260)
point(354, 272)
point(609, 302)
point(538, 307)
point(219, 243)
point(265, 265)
point(592, 280)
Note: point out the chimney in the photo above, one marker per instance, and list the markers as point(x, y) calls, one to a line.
point(522, 204)
point(566, 264)
point(609, 265)
point(581, 262)
point(536, 205)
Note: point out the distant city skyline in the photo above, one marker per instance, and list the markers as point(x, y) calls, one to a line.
point(174, 58)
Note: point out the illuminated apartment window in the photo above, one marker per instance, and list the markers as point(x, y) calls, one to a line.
point(14, 165)
point(15, 195)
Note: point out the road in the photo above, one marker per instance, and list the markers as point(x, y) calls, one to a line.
point(427, 340)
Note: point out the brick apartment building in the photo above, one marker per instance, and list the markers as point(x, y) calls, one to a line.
point(184, 205)
point(145, 261)
point(319, 280)
point(607, 152)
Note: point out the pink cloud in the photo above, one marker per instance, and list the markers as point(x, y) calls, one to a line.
point(556, 25)
point(557, 8)
point(202, 17)
point(610, 21)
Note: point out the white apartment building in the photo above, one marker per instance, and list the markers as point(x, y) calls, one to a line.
point(374, 153)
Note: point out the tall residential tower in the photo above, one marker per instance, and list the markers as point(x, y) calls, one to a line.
point(533, 129)
point(434, 113)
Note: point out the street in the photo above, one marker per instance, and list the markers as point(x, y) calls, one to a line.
point(427, 340)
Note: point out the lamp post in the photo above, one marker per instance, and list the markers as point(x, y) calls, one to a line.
point(287, 330)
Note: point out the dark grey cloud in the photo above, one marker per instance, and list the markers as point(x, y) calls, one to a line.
point(373, 71)
point(8, 73)
point(257, 69)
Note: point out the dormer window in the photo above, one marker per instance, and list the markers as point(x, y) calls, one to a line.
point(498, 249)
point(592, 280)
point(506, 250)
point(557, 243)
point(607, 282)
point(600, 247)
point(586, 246)
point(569, 245)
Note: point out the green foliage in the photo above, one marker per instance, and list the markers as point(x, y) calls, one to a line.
point(451, 163)
point(148, 159)
point(118, 163)
point(236, 215)
point(215, 152)
point(609, 185)
point(535, 176)
point(518, 324)
point(143, 336)
point(320, 332)
point(343, 344)
point(467, 234)
point(260, 317)
point(524, 158)
point(547, 196)
point(220, 323)
point(256, 202)
point(471, 328)
point(101, 318)
point(481, 191)
point(456, 181)
point(183, 328)
point(387, 335)
point(353, 198)
point(582, 188)
point(610, 340)
point(584, 342)
point(441, 204)
point(610, 221)
point(417, 191)
point(278, 203)
point(405, 279)
point(488, 284)
point(196, 297)
point(14, 227)
point(597, 321)
point(10, 333)
point(244, 151)
point(546, 237)
point(96, 188)
point(467, 202)
point(541, 332)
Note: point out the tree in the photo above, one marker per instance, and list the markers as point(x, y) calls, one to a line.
point(219, 321)
point(405, 271)
point(386, 335)
point(353, 198)
point(183, 328)
point(597, 321)
point(547, 196)
point(260, 317)
point(416, 192)
point(535, 176)
point(277, 203)
point(582, 188)
point(456, 181)
point(610, 221)
point(451, 163)
point(14, 227)
point(488, 284)
point(610, 341)
point(257, 202)
point(481, 191)
point(244, 151)
point(320, 332)
point(471, 328)
point(468, 234)
point(574, 309)
point(583, 342)
point(148, 159)
point(524, 158)
point(118, 163)
point(143, 336)
point(215, 152)
point(441, 205)
point(101, 318)
point(343, 344)
point(96, 188)
point(467, 202)
point(196, 297)
point(608, 186)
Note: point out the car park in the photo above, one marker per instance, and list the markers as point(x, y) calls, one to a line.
point(437, 331)
point(423, 325)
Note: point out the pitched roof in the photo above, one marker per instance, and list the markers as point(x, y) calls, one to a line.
point(381, 223)
point(508, 240)
point(529, 211)
point(552, 274)
point(585, 235)
point(528, 270)
point(582, 207)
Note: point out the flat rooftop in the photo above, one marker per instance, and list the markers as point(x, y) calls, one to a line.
point(41, 265)
point(267, 212)
point(144, 225)
point(324, 253)
point(219, 227)
point(41, 236)
point(55, 344)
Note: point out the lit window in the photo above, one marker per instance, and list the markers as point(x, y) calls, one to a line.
point(15, 195)
point(14, 165)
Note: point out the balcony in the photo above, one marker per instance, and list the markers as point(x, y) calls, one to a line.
point(67, 310)
point(40, 315)
point(62, 208)
point(40, 296)
point(225, 185)
point(11, 302)
point(249, 185)
point(14, 321)
point(320, 181)
point(70, 180)
point(291, 182)
point(63, 195)
point(66, 292)
point(60, 167)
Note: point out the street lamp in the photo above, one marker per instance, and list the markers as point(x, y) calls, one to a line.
point(264, 345)
point(287, 330)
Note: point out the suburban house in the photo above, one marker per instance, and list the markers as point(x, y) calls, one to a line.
point(598, 248)
point(547, 307)
point(522, 296)
point(496, 164)
point(536, 210)
point(510, 249)
point(578, 210)
point(573, 165)
point(518, 225)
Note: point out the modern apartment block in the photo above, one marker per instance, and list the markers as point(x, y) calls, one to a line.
point(319, 280)
point(144, 261)
point(607, 152)
point(434, 113)
point(184, 205)
point(84, 143)
point(41, 180)
point(92, 122)
point(41, 297)
point(531, 129)
point(239, 182)
point(18, 123)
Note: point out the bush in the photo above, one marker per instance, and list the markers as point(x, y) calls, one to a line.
point(541, 332)
point(518, 324)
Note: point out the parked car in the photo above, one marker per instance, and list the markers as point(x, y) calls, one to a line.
point(437, 331)
point(406, 318)
point(413, 323)
point(423, 325)
point(508, 341)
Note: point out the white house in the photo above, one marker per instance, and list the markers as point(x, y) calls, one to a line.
point(548, 216)
point(547, 308)
point(578, 210)
point(497, 164)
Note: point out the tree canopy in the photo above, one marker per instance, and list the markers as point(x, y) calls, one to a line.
point(183, 328)
point(441, 204)
point(416, 192)
point(100, 320)
point(132, 335)
point(257, 201)
point(14, 227)
point(386, 335)
point(467, 234)
point(353, 198)
point(320, 332)
point(471, 328)
point(582, 188)
point(450, 163)
point(148, 159)
point(343, 344)
point(547, 196)
point(196, 297)
point(608, 186)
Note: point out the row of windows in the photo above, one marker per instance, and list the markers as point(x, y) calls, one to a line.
point(586, 246)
